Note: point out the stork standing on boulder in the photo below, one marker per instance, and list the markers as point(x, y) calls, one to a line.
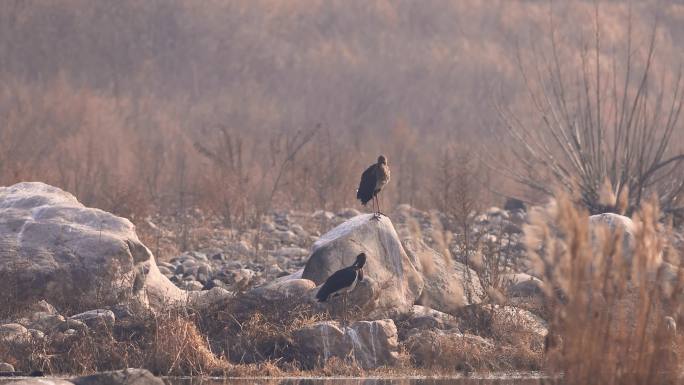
point(342, 282)
point(372, 181)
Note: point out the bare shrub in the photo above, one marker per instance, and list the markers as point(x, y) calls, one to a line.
point(599, 118)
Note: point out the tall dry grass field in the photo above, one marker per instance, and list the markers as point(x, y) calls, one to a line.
point(613, 297)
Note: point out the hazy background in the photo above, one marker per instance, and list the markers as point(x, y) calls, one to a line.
point(155, 106)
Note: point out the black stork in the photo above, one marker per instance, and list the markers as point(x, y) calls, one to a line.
point(372, 181)
point(342, 282)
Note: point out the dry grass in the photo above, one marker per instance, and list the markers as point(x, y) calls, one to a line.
point(166, 344)
point(458, 353)
point(251, 329)
point(607, 309)
point(179, 348)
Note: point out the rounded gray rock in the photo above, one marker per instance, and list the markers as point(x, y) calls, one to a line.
point(96, 318)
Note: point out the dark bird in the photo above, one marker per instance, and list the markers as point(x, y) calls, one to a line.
point(372, 181)
point(342, 281)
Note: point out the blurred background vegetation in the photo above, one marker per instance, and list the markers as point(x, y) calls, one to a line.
point(239, 107)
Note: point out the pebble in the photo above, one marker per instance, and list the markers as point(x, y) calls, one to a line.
point(36, 335)
point(95, 318)
point(285, 239)
point(45, 321)
point(193, 286)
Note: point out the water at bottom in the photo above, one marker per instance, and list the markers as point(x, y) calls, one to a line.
point(503, 380)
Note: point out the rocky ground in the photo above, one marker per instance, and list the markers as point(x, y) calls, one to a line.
point(281, 245)
point(82, 293)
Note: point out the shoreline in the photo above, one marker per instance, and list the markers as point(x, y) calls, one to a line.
point(476, 376)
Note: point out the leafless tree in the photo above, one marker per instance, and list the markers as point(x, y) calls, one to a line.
point(225, 149)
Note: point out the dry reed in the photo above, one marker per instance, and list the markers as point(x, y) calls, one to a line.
point(609, 293)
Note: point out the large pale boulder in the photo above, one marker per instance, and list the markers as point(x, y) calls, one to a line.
point(371, 344)
point(449, 285)
point(388, 266)
point(53, 247)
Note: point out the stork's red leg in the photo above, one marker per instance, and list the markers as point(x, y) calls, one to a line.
point(379, 212)
point(375, 212)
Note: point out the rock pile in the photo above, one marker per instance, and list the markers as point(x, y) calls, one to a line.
point(92, 263)
point(43, 322)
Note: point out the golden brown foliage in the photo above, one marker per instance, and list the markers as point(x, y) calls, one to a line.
point(609, 299)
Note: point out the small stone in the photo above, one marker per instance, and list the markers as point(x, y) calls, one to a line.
point(267, 227)
point(43, 306)
point(12, 331)
point(323, 215)
point(292, 252)
point(36, 335)
point(214, 283)
point(74, 325)
point(193, 286)
point(204, 273)
point(5, 367)
point(299, 230)
point(286, 236)
point(46, 321)
point(348, 213)
point(180, 269)
point(96, 318)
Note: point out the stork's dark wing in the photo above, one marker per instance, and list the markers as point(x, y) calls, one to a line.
point(367, 185)
point(339, 280)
